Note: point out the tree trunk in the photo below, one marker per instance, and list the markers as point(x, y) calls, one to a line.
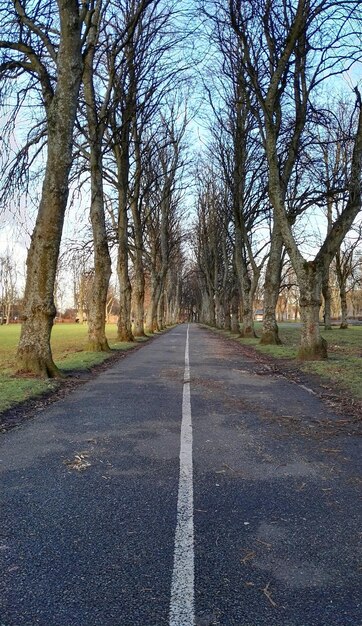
point(97, 341)
point(244, 284)
point(270, 332)
point(139, 278)
point(151, 317)
point(227, 317)
point(326, 291)
point(124, 328)
point(121, 152)
point(312, 345)
point(207, 309)
point(344, 308)
point(247, 322)
point(218, 311)
point(34, 351)
point(160, 312)
point(138, 297)
point(235, 326)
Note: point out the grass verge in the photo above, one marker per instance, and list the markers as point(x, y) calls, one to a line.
point(67, 342)
point(342, 369)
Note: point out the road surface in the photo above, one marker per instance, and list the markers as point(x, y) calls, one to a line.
point(183, 486)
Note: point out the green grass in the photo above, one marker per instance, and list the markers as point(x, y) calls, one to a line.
point(68, 341)
point(343, 368)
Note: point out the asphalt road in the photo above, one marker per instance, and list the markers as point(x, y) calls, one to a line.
point(276, 498)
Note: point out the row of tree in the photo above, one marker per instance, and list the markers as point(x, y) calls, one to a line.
point(101, 85)
point(282, 147)
point(99, 82)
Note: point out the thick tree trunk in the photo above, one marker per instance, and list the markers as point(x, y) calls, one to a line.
point(160, 312)
point(312, 345)
point(124, 328)
point(34, 352)
point(97, 341)
point(151, 325)
point(208, 309)
point(247, 320)
point(245, 289)
point(138, 297)
point(270, 332)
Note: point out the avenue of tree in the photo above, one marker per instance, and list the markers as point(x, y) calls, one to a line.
point(110, 91)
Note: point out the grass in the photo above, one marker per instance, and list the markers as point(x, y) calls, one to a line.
point(67, 342)
point(343, 368)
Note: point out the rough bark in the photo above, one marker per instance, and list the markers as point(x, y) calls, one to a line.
point(160, 312)
point(245, 287)
point(312, 345)
point(326, 291)
point(121, 153)
point(270, 332)
point(97, 341)
point(124, 328)
point(34, 351)
point(344, 308)
point(208, 309)
point(151, 325)
point(138, 297)
point(138, 268)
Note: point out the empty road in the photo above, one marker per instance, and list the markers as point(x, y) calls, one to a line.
point(183, 486)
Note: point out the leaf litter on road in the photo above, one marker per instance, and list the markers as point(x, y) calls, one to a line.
point(79, 463)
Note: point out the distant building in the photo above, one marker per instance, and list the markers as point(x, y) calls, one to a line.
point(259, 315)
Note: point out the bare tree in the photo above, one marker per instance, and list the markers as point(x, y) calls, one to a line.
point(96, 125)
point(44, 46)
point(347, 265)
point(162, 197)
point(8, 287)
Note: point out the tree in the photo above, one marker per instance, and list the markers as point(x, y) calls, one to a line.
point(162, 197)
point(44, 52)
point(8, 290)
point(96, 125)
point(347, 265)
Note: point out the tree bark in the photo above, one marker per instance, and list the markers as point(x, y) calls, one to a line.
point(97, 340)
point(235, 326)
point(139, 278)
point(312, 345)
point(326, 291)
point(138, 297)
point(34, 351)
point(124, 328)
point(245, 288)
point(344, 308)
point(151, 316)
point(270, 332)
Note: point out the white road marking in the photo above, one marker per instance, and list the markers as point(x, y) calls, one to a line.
point(182, 586)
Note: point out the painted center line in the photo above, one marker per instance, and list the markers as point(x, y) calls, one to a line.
point(182, 587)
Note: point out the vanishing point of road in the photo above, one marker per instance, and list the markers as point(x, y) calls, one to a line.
point(184, 486)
